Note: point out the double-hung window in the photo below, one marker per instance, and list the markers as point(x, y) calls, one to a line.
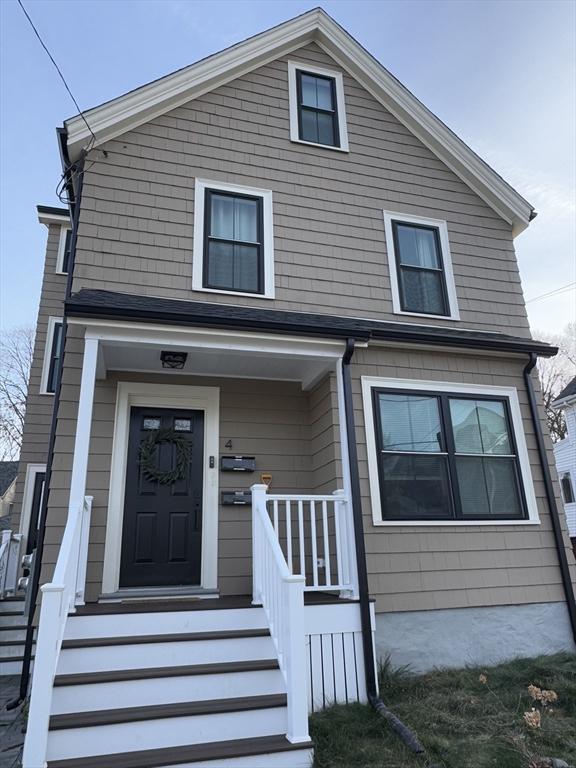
point(63, 259)
point(445, 456)
point(567, 489)
point(233, 241)
point(317, 114)
point(420, 266)
point(52, 356)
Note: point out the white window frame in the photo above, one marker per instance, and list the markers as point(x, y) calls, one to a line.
point(28, 496)
point(296, 66)
point(200, 187)
point(61, 246)
point(48, 354)
point(440, 225)
point(510, 393)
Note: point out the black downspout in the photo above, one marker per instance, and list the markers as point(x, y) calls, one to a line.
point(409, 738)
point(550, 495)
point(74, 198)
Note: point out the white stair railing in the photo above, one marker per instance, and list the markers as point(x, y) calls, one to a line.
point(281, 594)
point(10, 545)
point(316, 535)
point(59, 598)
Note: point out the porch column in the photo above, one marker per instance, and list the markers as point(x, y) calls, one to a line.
point(83, 424)
point(345, 458)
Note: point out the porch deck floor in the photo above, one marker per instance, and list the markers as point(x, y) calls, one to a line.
point(152, 605)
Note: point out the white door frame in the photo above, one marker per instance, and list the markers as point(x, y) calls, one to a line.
point(206, 399)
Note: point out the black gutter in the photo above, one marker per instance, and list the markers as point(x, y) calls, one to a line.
point(50, 210)
point(407, 736)
point(74, 197)
point(550, 495)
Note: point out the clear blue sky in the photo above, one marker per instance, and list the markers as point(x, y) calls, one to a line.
point(502, 74)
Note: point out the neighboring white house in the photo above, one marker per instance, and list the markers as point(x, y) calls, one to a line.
point(565, 454)
point(8, 470)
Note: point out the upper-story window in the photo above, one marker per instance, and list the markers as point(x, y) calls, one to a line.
point(52, 356)
point(233, 240)
point(317, 114)
point(567, 489)
point(63, 258)
point(422, 281)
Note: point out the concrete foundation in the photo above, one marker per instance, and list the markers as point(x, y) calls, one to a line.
point(458, 637)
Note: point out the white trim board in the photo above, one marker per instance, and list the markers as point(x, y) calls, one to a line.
point(141, 105)
point(205, 399)
point(441, 226)
point(371, 382)
point(28, 496)
point(293, 68)
point(52, 321)
point(200, 187)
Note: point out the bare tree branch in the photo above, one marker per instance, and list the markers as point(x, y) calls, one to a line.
point(16, 349)
point(555, 373)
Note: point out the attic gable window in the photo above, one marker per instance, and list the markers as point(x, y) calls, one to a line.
point(233, 240)
point(420, 264)
point(317, 114)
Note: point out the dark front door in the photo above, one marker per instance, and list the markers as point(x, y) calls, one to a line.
point(162, 530)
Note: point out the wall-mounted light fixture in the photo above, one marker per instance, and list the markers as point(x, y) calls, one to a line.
point(175, 360)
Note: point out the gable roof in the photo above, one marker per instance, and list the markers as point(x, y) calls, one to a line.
point(136, 107)
point(567, 394)
point(8, 471)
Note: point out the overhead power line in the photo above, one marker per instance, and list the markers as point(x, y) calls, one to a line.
point(42, 43)
point(555, 292)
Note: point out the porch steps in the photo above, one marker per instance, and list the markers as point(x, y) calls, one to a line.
point(165, 684)
point(12, 635)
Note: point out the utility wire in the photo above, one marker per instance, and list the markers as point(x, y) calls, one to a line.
point(555, 292)
point(57, 69)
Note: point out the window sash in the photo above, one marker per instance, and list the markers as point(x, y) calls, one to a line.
point(333, 113)
point(416, 268)
point(454, 502)
point(55, 354)
point(567, 488)
point(208, 238)
point(66, 252)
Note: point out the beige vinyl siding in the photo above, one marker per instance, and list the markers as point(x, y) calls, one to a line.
point(325, 437)
point(422, 568)
point(136, 223)
point(39, 407)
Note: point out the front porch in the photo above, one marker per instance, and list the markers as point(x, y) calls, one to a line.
point(240, 566)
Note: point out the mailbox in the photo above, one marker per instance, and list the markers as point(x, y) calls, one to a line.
point(236, 498)
point(237, 463)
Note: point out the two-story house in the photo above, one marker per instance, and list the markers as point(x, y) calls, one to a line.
point(284, 409)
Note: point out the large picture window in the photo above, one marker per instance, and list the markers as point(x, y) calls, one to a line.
point(233, 240)
point(444, 456)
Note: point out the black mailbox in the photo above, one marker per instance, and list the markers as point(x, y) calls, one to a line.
point(237, 463)
point(239, 498)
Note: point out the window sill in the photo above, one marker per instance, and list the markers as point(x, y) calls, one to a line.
point(452, 523)
point(42, 392)
point(320, 146)
point(200, 289)
point(453, 318)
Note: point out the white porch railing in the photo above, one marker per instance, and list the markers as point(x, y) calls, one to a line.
point(316, 536)
point(59, 598)
point(10, 545)
point(281, 594)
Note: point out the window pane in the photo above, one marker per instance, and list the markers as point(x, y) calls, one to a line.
point(567, 490)
point(222, 216)
point(415, 486)
point(309, 126)
point(410, 423)
point(324, 93)
point(418, 247)
point(309, 93)
point(326, 129)
point(245, 220)
point(480, 426)
point(422, 291)
point(54, 358)
point(66, 256)
point(488, 486)
point(246, 268)
point(220, 265)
